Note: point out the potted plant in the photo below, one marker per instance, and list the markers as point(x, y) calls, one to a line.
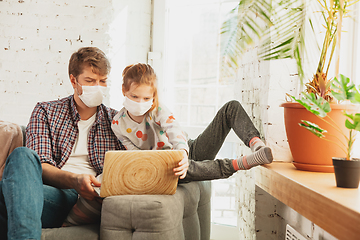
point(288, 42)
point(347, 169)
point(319, 159)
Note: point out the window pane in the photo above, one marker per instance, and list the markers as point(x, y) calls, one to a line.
point(192, 74)
point(181, 95)
point(204, 96)
point(181, 114)
point(201, 114)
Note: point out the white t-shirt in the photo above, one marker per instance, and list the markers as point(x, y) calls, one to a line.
point(78, 161)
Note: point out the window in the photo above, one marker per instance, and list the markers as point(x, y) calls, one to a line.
point(191, 84)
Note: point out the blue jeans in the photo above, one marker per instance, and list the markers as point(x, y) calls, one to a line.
point(26, 205)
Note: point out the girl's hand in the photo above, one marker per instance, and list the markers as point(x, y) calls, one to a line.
point(183, 166)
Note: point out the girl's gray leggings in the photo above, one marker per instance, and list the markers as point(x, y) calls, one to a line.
point(203, 149)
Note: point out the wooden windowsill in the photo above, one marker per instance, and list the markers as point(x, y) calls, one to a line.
point(315, 196)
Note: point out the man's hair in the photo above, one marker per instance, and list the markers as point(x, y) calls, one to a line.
point(89, 56)
point(141, 73)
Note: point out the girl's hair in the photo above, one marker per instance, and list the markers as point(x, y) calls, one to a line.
point(141, 73)
point(89, 56)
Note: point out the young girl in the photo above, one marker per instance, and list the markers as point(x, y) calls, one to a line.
point(145, 124)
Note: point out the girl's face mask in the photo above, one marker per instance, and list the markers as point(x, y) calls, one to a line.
point(92, 96)
point(137, 108)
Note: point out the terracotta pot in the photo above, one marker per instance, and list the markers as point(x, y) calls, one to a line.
point(310, 152)
point(347, 172)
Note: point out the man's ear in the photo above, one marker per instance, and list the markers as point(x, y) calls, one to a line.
point(73, 80)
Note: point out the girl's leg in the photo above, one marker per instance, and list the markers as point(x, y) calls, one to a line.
point(205, 147)
point(230, 116)
point(208, 170)
point(84, 212)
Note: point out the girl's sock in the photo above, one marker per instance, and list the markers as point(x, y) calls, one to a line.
point(260, 157)
point(255, 144)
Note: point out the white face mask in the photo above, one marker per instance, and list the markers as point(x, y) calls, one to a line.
point(135, 108)
point(92, 96)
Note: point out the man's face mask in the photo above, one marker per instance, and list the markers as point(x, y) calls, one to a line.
point(92, 96)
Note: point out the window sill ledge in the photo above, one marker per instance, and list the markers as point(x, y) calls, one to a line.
point(315, 196)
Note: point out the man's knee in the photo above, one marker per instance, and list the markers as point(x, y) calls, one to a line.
point(24, 155)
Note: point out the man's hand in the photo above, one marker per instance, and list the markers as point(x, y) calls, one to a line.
point(85, 184)
point(82, 183)
point(183, 166)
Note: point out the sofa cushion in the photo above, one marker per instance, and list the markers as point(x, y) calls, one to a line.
point(85, 232)
point(160, 215)
point(153, 216)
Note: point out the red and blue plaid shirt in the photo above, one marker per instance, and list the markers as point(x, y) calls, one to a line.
point(52, 131)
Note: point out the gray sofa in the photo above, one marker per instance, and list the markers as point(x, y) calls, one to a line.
point(184, 215)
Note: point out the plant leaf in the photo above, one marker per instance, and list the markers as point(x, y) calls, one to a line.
point(314, 128)
point(343, 89)
point(318, 106)
point(355, 124)
point(275, 24)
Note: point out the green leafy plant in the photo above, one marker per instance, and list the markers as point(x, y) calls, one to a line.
point(278, 28)
point(333, 12)
point(277, 25)
point(343, 90)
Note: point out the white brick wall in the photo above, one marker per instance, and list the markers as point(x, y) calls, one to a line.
point(272, 216)
point(38, 37)
point(263, 87)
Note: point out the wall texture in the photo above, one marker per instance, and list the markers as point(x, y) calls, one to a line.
point(263, 88)
point(38, 37)
point(272, 216)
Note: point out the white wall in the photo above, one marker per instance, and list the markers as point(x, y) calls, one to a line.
point(272, 216)
point(38, 37)
point(129, 33)
point(263, 88)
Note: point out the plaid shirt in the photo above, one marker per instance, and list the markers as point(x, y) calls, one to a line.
point(53, 129)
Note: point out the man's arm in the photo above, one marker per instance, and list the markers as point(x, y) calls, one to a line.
point(82, 183)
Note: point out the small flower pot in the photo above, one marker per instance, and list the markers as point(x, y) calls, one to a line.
point(347, 172)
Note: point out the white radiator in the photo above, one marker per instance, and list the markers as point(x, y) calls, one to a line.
point(292, 234)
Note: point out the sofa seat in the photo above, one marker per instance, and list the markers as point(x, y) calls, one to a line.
point(184, 215)
point(85, 232)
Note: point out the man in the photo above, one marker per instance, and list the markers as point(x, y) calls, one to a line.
point(66, 143)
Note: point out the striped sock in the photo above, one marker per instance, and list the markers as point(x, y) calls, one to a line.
point(83, 212)
point(255, 144)
point(260, 157)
